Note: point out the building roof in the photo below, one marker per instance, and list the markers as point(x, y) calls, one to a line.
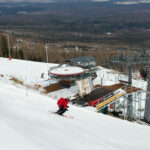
point(81, 60)
point(66, 71)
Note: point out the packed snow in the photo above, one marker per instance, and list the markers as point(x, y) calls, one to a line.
point(25, 123)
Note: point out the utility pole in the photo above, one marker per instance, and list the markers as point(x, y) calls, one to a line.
point(9, 47)
point(46, 48)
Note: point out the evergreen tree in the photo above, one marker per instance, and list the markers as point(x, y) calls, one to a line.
point(21, 54)
point(4, 46)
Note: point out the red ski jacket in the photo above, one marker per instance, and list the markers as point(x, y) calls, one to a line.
point(62, 102)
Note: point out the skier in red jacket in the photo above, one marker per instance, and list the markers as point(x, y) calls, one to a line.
point(62, 104)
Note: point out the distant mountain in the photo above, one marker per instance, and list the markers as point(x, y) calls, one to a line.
point(1, 1)
point(131, 2)
point(123, 2)
point(49, 1)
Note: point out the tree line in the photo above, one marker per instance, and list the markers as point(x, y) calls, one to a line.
point(28, 50)
point(5, 48)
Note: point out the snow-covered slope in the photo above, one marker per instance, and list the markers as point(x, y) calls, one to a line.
point(25, 123)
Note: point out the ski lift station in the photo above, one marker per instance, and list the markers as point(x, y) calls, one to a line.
point(81, 71)
point(75, 68)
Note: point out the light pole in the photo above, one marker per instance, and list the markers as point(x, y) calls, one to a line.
point(46, 52)
point(46, 49)
point(9, 47)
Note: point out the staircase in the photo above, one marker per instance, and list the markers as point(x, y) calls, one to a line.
point(116, 95)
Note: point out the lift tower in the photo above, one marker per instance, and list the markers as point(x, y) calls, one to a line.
point(140, 57)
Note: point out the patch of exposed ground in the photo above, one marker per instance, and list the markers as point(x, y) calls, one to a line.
point(53, 87)
point(114, 87)
point(16, 81)
point(58, 86)
point(128, 89)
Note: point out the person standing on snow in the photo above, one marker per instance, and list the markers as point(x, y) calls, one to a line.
point(62, 104)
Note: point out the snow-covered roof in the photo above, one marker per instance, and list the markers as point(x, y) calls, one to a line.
point(66, 71)
point(83, 61)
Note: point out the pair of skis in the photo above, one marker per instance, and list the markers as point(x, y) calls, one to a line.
point(60, 115)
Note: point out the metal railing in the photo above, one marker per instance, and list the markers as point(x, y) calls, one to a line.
point(126, 88)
